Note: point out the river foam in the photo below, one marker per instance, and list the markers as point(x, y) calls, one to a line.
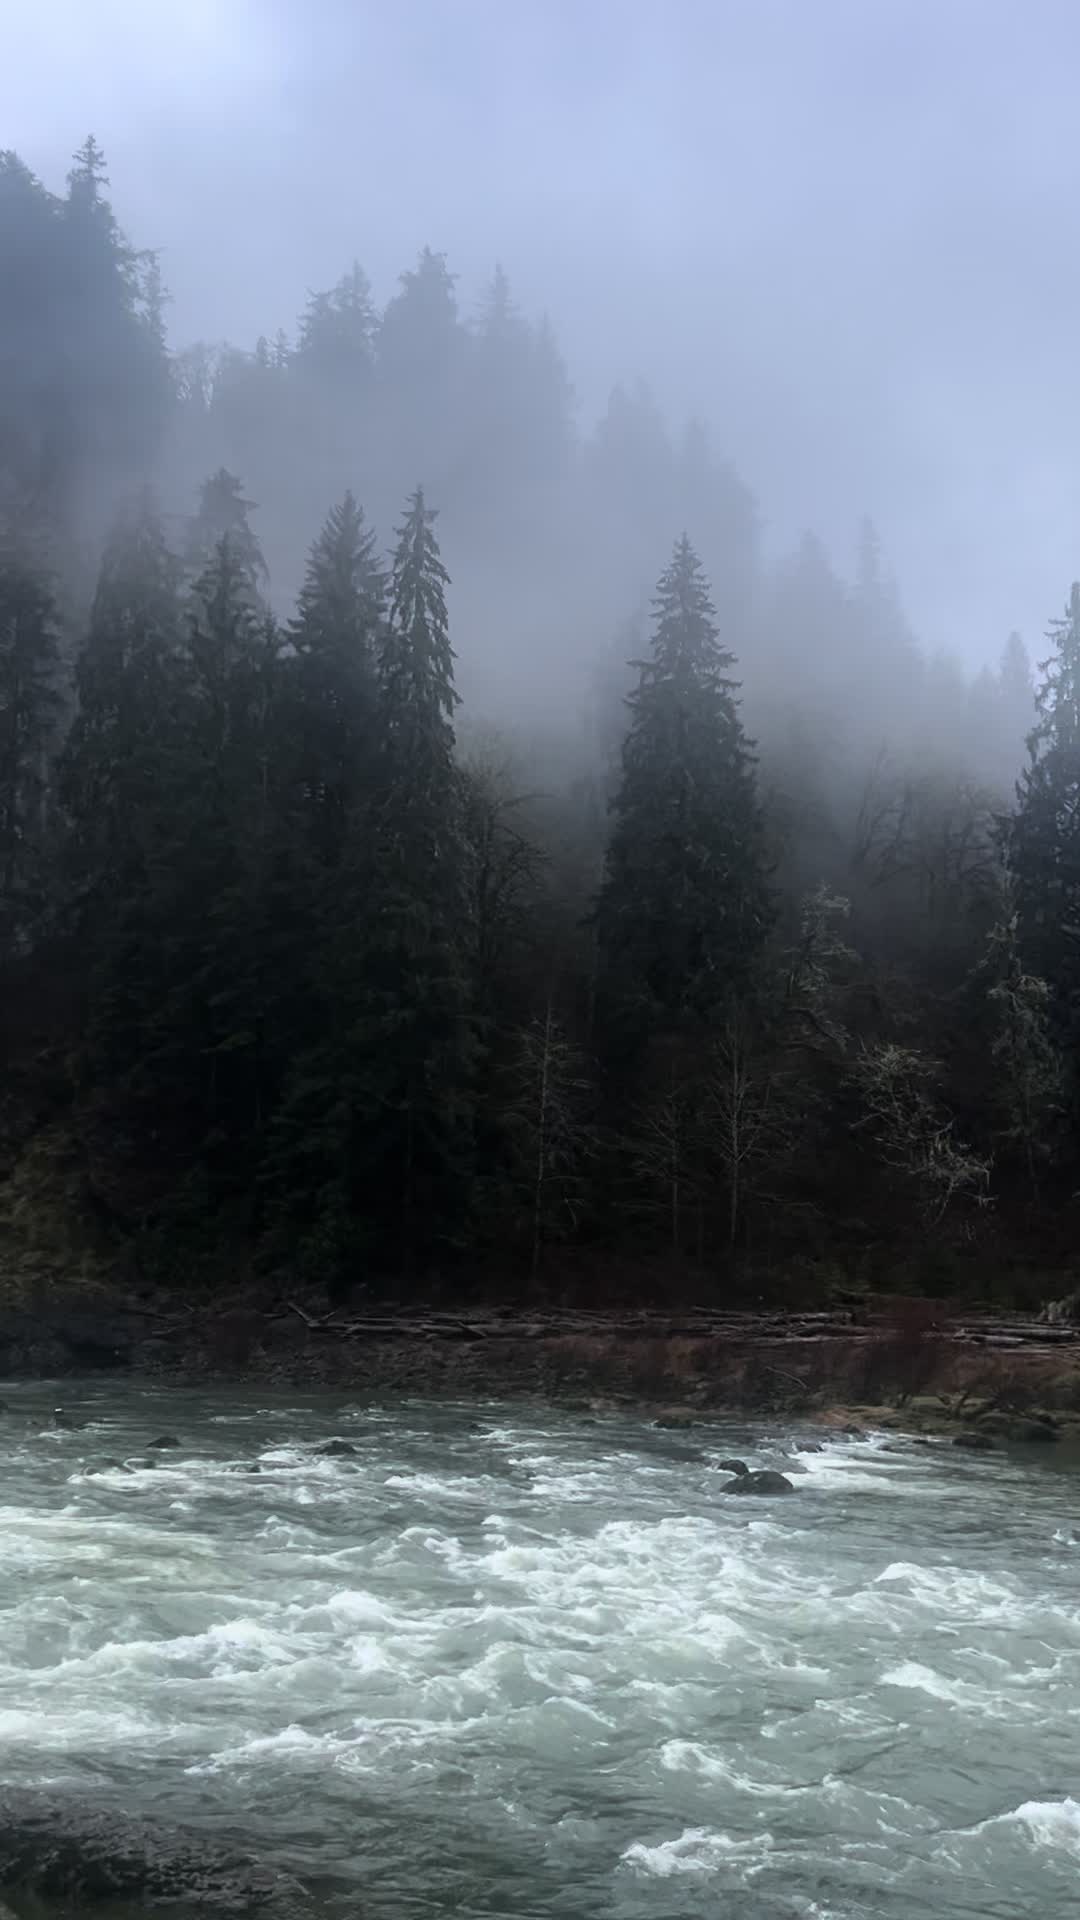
point(495, 1662)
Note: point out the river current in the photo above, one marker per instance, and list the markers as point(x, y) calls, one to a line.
point(504, 1662)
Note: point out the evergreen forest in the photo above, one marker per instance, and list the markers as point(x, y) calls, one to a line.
point(439, 851)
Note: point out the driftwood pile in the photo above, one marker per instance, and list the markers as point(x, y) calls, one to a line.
point(698, 1323)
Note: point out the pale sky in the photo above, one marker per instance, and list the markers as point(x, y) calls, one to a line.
point(841, 229)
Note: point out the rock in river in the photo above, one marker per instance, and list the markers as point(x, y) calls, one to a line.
point(763, 1482)
point(335, 1449)
point(732, 1466)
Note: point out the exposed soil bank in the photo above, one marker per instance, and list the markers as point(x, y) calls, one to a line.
point(906, 1364)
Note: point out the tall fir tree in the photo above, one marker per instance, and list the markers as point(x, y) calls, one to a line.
point(417, 696)
point(118, 387)
point(29, 705)
point(684, 908)
point(126, 681)
point(224, 514)
point(1044, 834)
point(337, 333)
point(421, 359)
point(336, 635)
point(212, 976)
point(420, 1014)
point(375, 1144)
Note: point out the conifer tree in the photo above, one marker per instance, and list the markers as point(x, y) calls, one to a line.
point(373, 1149)
point(29, 703)
point(418, 1014)
point(225, 658)
point(420, 333)
point(197, 1013)
point(127, 682)
point(416, 668)
point(337, 333)
point(420, 366)
point(223, 513)
point(1044, 835)
point(684, 907)
point(336, 634)
point(1028, 1078)
point(117, 385)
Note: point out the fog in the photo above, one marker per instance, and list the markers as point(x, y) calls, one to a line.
point(839, 231)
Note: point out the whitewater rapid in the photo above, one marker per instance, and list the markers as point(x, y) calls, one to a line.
point(504, 1663)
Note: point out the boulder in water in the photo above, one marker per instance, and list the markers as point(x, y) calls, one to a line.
point(673, 1419)
point(336, 1449)
point(163, 1441)
point(764, 1482)
point(975, 1442)
point(732, 1466)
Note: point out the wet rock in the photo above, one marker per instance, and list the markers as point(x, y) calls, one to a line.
point(673, 1419)
point(763, 1482)
point(163, 1441)
point(109, 1466)
point(732, 1466)
point(336, 1449)
point(975, 1442)
point(811, 1446)
point(64, 1422)
point(63, 1848)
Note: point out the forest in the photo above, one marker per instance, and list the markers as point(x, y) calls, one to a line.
point(475, 867)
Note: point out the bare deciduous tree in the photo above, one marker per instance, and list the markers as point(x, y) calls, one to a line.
point(548, 1118)
point(913, 1139)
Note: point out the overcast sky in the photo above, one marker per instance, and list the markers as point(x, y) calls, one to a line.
point(845, 230)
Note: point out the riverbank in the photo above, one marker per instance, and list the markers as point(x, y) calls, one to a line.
point(907, 1364)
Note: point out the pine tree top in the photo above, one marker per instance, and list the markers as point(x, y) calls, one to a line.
point(1057, 699)
point(416, 663)
point(223, 513)
point(343, 595)
point(88, 175)
point(686, 642)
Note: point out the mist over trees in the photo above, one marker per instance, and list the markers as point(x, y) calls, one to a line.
point(473, 861)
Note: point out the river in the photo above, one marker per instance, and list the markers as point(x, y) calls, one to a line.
point(505, 1662)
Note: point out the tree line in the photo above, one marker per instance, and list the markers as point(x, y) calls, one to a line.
point(305, 971)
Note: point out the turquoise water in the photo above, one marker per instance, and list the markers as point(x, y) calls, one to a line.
point(506, 1663)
